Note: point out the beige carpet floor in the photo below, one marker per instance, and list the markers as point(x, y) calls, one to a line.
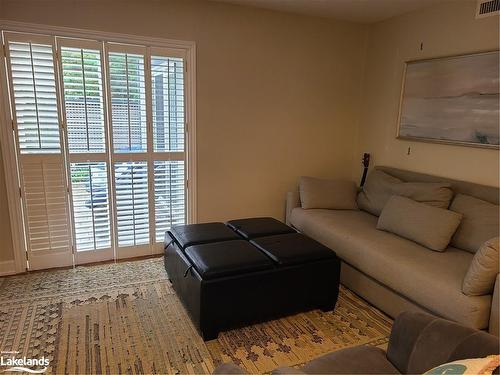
point(125, 318)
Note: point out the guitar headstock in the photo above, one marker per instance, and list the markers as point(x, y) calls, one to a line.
point(366, 160)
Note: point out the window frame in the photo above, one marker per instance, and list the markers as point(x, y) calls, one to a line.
point(175, 48)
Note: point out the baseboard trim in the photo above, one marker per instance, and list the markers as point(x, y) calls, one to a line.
point(7, 267)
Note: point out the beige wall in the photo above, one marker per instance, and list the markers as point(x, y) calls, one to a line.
point(443, 30)
point(280, 95)
point(277, 94)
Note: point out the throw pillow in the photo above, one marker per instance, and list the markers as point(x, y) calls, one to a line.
point(483, 270)
point(480, 222)
point(475, 366)
point(380, 186)
point(330, 194)
point(376, 192)
point(429, 226)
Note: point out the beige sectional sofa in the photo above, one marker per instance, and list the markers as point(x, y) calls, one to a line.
point(396, 274)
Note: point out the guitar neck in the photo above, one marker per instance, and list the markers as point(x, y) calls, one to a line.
point(366, 164)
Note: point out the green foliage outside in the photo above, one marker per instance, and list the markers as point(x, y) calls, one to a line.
point(119, 65)
point(79, 175)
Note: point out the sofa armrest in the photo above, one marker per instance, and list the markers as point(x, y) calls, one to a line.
point(292, 201)
point(494, 327)
point(405, 332)
point(421, 341)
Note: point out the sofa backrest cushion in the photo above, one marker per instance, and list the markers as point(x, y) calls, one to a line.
point(429, 226)
point(376, 192)
point(380, 186)
point(488, 193)
point(483, 270)
point(327, 194)
point(480, 222)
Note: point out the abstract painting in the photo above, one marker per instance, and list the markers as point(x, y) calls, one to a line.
point(452, 100)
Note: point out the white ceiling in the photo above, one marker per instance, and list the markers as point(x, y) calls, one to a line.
point(364, 11)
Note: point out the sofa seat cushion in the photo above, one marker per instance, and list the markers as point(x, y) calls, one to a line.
point(433, 280)
point(361, 359)
point(219, 259)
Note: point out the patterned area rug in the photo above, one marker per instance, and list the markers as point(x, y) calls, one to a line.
point(126, 318)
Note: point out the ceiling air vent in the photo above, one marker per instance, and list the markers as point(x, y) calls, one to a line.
point(486, 8)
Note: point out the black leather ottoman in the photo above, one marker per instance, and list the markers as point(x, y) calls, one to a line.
point(248, 271)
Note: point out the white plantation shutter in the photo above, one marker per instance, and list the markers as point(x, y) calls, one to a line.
point(128, 102)
point(33, 82)
point(132, 207)
point(84, 113)
point(169, 185)
point(130, 149)
point(42, 170)
point(90, 197)
point(44, 186)
point(167, 80)
point(168, 123)
point(83, 99)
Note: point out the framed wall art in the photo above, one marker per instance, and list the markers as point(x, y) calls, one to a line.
point(452, 100)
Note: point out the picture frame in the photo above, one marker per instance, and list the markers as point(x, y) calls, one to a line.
point(451, 100)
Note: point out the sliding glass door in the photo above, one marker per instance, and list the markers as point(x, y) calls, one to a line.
point(100, 133)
